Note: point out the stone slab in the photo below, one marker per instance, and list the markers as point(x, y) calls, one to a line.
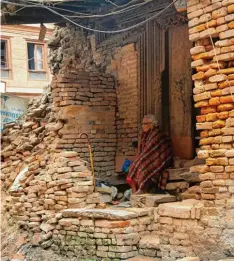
point(141, 211)
point(112, 214)
point(125, 204)
point(150, 200)
point(179, 209)
point(176, 211)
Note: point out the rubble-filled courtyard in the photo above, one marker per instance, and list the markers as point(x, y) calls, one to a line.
point(50, 193)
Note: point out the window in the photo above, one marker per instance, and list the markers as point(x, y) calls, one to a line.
point(36, 61)
point(5, 68)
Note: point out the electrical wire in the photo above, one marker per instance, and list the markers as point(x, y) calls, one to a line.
point(18, 4)
point(130, 8)
point(85, 15)
point(68, 1)
point(115, 31)
point(12, 13)
point(109, 1)
point(96, 30)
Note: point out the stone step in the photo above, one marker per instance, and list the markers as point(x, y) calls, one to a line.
point(110, 214)
point(187, 209)
point(150, 200)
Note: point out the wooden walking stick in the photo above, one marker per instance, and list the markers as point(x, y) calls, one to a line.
point(90, 157)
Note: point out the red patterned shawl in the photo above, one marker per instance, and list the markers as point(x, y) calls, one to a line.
point(155, 156)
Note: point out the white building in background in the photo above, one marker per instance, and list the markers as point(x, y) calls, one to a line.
point(24, 63)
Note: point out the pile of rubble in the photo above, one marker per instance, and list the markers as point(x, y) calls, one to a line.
point(31, 135)
point(64, 183)
point(41, 180)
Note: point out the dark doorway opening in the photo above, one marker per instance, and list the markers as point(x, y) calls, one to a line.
point(166, 85)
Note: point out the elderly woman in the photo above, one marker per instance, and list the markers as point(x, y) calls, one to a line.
point(154, 157)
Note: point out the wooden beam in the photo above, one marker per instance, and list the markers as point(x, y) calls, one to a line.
point(40, 17)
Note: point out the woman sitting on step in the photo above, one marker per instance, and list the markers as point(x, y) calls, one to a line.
point(154, 157)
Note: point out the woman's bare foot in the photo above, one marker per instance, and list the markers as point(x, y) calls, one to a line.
point(140, 191)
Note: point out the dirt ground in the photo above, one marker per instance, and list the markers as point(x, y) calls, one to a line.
point(29, 253)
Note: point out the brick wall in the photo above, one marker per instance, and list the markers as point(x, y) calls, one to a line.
point(117, 55)
point(124, 65)
point(211, 23)
point(86, 102)
point(83, 73)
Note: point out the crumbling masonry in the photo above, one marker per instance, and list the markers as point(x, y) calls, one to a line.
point(91, 94)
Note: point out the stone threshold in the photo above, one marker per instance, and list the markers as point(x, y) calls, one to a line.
point(109, 214)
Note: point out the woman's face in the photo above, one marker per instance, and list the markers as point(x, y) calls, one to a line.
point(146, 124)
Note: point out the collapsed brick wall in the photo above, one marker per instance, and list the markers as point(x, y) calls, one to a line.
point(86, 103)
point(39, 178)
point(65, 182)
point(84, 74)
point(211, 29)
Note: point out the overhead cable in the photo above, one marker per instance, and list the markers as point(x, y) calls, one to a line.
point(67, 1)
point(96, 30)
point(86, 15)
point(114, 4)
point(130, 8)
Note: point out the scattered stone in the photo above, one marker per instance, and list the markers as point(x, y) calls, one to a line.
point(47, 244)
point(46, 227)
